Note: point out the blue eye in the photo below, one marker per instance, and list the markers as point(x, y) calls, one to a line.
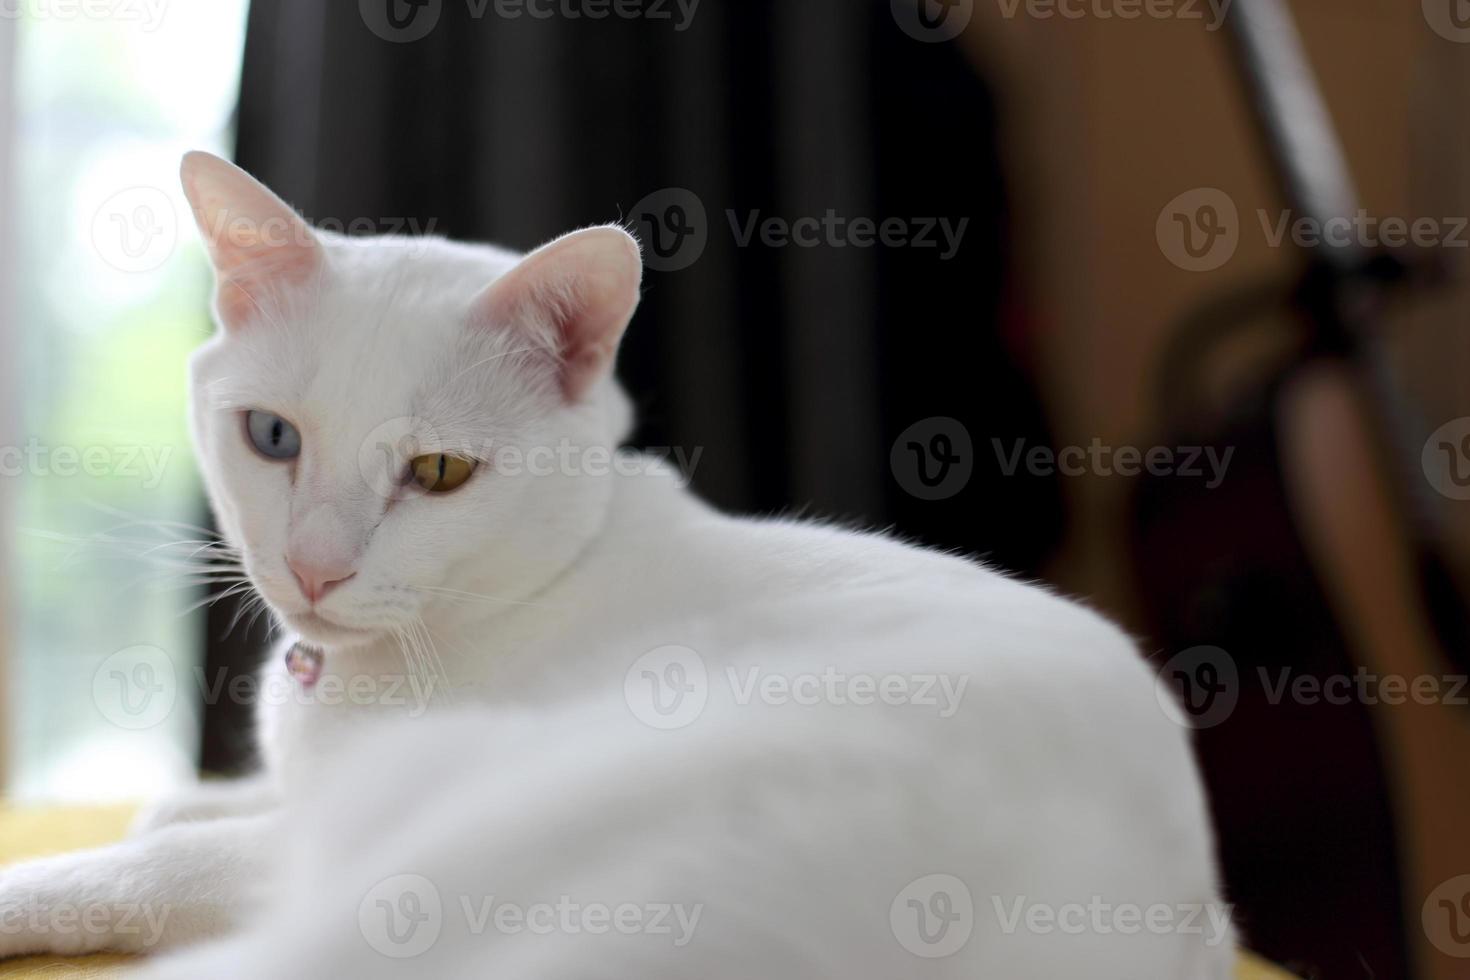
point(273, 436)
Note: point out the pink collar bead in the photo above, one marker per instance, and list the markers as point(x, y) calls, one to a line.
point(305, 664)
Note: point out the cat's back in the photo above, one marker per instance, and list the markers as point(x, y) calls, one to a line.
point(779, 611)
point(671, 554)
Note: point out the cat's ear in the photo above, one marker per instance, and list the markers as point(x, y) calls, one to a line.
point(256, 241)
point(576, 295)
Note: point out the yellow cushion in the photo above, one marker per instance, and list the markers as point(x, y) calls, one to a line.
point(26, 833)
point(1251, 968)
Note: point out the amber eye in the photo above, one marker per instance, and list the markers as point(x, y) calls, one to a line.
point(440, 472)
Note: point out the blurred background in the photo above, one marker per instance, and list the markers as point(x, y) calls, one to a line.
point(1157, 301)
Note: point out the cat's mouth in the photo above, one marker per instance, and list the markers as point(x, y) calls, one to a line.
point(317, 628)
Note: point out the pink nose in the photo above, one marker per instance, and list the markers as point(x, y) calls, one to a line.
point(317, 578)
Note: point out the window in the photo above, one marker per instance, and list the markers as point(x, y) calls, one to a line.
point(110, 296)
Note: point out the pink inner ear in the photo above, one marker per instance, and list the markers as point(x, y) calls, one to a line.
point(256, 241)
point(251, 279)
point(582, 289)
point(237, 301)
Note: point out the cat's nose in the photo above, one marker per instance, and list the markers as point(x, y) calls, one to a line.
point(317, 578)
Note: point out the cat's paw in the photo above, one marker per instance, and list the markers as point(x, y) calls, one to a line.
point(64, 906)
point(177, 885)
point(34, 917)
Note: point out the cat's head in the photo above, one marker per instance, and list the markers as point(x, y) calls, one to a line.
point(387, 424)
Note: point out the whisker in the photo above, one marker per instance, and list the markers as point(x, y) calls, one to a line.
point(212, 599)
point(254, 601)
point(262, 608)
point(425, 667)
point(437, 663)
point(203, 557)
point(159, 523)
point(404, 646)
point(496, 357)
point(272, 320)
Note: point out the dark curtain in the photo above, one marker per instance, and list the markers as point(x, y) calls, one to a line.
point(792, 370)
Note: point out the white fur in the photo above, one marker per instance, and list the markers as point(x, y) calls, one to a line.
point(1046, 776)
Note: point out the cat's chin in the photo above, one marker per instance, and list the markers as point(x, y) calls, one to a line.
point(320, 631)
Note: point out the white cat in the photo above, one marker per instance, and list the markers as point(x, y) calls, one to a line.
point(664, 742)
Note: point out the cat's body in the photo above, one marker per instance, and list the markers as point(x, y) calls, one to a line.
point(769, 736)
